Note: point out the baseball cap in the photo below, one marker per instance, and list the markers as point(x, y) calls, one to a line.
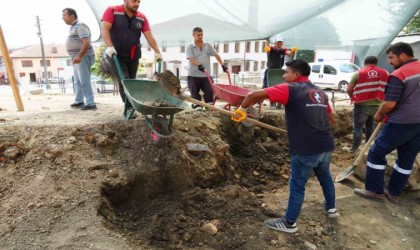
point(278, 39)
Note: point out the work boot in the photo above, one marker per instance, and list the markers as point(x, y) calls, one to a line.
point(369, 194)
point(392, 198)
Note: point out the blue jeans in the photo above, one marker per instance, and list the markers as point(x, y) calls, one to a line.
point(302, 166)
point(406, 139)
point(363, 116)
point(82, 85)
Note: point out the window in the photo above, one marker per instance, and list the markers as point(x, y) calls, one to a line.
point(316, 68)
point(257, 47)
point(182, 49)
point(247, 66)
point(348, 68)
point(248, 47)
point(262, 47)
point(27, 63)
point(329, 70)
point(149, 48)
point(54, 50)
point(42, 63)
point(22, 74)
point(226, 47)
point(237, 47)
point(215, 69)
point(216, 47)
point(68, 62)
point(256, 66)
point(164, 67)
point(262, 64)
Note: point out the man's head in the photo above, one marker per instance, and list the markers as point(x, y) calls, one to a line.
point(278, 42)
point(399, 53)
point(296, 69)
point(371, 60)
point(131, 6)
point(69, 15)
point(198, 34)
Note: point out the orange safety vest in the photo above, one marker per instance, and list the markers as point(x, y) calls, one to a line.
point(370, 85)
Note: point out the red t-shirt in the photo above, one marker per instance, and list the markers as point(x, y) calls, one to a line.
point(280, 93)
point(108, 16)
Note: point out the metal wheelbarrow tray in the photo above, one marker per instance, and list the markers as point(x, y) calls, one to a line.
point(142, 94)
point(232, 94)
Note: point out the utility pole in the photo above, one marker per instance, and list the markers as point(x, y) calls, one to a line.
point(38, 24)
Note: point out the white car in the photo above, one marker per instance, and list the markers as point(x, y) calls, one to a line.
point(332, 75)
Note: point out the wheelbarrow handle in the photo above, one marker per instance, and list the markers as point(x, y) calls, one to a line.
point(117, 64)
point(228, 75)
point(230, 113)
point(159, 62)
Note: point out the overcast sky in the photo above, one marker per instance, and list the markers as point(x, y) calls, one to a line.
point(17, 19)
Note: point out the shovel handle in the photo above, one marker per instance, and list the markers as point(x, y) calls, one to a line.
point(229, 113)
point(366, 146)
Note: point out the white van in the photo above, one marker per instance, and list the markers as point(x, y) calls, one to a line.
point(332, 75)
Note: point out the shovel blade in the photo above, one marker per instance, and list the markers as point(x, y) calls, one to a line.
point(345, 173)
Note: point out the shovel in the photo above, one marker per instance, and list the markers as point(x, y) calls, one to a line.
point(348, 171)
point(171, 83)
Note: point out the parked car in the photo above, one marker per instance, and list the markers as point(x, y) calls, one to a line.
point(101, 85)
point(56, 79)
point(332, 75)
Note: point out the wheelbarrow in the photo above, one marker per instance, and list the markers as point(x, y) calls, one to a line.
point(233, 95)
point(275, 77)
point(150, 99)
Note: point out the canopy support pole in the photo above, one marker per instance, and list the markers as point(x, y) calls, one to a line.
point(10, 71)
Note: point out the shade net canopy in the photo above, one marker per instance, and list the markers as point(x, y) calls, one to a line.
point(367, 26)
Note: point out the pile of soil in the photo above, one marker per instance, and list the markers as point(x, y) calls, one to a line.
point(105, 184)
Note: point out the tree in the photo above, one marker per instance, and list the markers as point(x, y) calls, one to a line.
point(414, 25)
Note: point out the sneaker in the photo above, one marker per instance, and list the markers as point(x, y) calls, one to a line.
point(89, 107)
point(369, 194)
point(281, 224)
point(198, 108)
point(392, 198)
point(77, 105)
point(332, 213)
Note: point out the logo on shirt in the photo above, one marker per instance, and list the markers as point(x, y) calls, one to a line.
point(316, 96)
point(372, 74)
point(139, 25)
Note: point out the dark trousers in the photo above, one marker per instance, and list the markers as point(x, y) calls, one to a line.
point(195, 84)
point(363, 116)
point(129, 70)
point(265, 84)
point(406, 139)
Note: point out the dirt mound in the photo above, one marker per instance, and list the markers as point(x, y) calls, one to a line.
point(107, 186)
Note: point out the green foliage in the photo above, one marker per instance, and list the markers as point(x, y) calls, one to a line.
point(102, 66)
point(306, 55)
point(414, 25)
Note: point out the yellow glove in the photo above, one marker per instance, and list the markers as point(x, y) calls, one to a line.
point(242, 113)
point(294, 49)
point(267, 49)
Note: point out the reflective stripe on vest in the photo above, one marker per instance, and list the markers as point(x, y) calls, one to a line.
point(370, 85)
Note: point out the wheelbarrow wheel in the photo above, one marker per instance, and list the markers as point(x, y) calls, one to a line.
point(160, 125)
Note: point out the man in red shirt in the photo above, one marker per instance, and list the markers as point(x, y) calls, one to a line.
point(367, 91)
point(121, 30)
point(308, 118)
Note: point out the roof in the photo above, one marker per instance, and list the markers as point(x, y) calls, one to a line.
point(179, 30)
point(34, 51)
point(409, 38)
